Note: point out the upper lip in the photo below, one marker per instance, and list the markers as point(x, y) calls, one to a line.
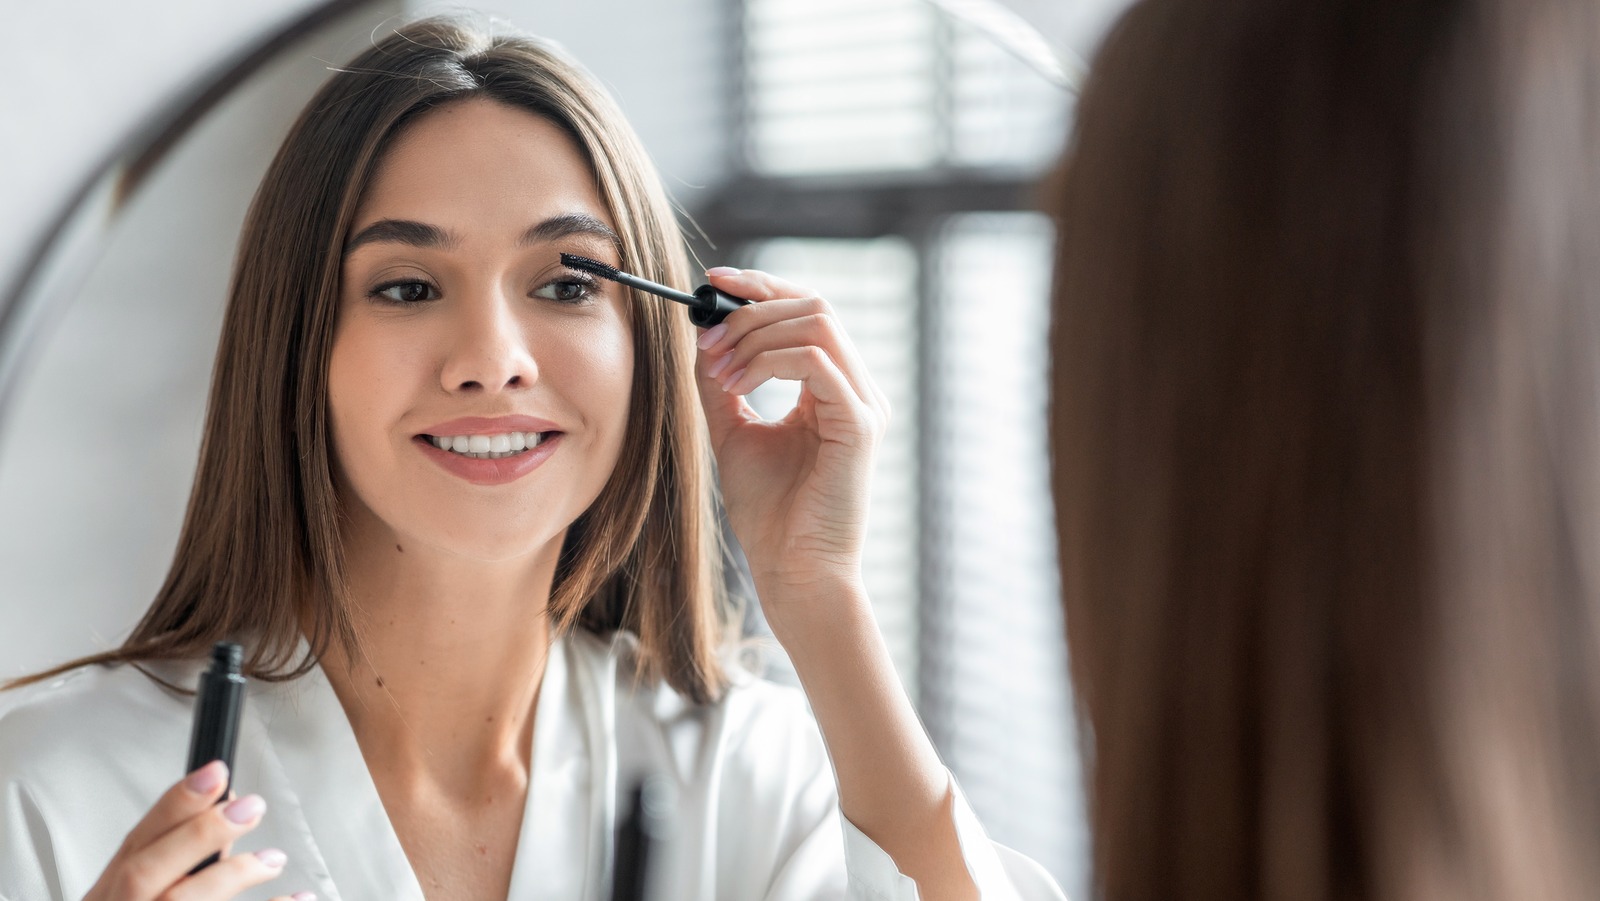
point(489, 425)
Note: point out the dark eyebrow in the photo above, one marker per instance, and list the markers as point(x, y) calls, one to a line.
point(402, 231)
point(421, 234)
point(570, 224)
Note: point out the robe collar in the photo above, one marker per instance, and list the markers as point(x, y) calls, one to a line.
point(565, 846)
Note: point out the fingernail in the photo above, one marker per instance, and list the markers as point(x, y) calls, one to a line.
point(733, 379)
point(302, 896)
point(719, 364)
point(712, 335)
point(272, 857)
point(205, 780)
point(245, 809)
point(723, 270)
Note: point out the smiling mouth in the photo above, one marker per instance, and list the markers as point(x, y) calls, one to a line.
point(490, 447)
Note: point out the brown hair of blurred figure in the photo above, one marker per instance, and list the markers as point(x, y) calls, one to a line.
point(1326, 449)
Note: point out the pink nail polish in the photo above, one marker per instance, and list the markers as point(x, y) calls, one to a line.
point(733, 380)
point(712, 336)
point(302, 896)
point(720, 364)
point(207, 779)
point(272, 857)
point(245, 809)
point(723, 270)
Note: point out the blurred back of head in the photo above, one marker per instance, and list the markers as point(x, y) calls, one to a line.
point(1326, 436)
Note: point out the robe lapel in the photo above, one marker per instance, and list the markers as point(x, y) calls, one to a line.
point(565, 846)
point(339, 810)
point(345, 842)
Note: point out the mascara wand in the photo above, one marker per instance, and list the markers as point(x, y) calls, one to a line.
point(707, 306)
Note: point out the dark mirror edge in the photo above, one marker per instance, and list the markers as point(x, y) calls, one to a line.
point(61, 256)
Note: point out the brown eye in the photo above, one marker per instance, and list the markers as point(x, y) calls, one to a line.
point(566, 290)
point(405, 292)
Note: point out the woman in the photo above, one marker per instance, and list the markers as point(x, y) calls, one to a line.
point(455, 499)
point(1327, 352)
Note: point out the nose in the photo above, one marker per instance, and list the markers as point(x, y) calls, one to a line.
point(490, 351)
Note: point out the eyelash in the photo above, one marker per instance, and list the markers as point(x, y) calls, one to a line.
point(582, 280)
point(378, 295)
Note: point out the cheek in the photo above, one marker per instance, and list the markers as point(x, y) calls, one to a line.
point(367, 383)
point(617, 366)
point(348, 363)
point(600, 362)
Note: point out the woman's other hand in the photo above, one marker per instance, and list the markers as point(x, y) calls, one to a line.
point(186, 826)
point(796, 489)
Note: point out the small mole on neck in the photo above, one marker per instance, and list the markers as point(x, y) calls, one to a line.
point(400, 549)
point(380, 681)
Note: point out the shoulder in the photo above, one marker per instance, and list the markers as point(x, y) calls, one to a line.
point(91, 721)
point(750, 702)
point(763, 716)
point(81, 758)
point(757, 733)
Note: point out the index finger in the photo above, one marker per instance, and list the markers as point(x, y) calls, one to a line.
point(793, 302)
point(753, 284)
point(196, 792)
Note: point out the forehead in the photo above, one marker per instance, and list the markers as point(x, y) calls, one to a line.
point(480, 167)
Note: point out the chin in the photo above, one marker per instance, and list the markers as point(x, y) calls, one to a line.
point(497, 546)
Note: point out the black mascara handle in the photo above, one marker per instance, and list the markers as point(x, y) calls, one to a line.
point(641, 836)
point(217, 704)
point(633, 853)
point(714, 306)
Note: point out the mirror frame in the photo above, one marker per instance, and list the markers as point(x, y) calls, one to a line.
point(59, 261)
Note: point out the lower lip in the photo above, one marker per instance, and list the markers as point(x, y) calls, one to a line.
point(490, 472)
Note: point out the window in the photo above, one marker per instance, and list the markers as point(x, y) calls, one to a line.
point(889, 157)
point(872, 286)
point(878, 85)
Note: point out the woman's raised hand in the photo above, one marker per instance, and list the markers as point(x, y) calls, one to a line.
point(183, 828)
point(796, 490)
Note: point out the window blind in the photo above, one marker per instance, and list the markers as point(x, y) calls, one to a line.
point(836, 86)
point(994, 669)
point(872, 286)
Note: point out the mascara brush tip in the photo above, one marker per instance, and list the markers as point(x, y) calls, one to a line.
point(588, 265)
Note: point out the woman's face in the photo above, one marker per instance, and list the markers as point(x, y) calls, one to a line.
point(458, 325)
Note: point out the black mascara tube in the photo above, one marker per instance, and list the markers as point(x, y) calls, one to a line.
point(217, 704)
point(647, 826)
point(714, 306)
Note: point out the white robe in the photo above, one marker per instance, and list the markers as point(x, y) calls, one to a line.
point(82, 758)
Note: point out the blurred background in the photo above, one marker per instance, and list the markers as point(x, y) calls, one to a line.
point(884, 152)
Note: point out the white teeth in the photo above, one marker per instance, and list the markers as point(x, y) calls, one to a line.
point(488, 447)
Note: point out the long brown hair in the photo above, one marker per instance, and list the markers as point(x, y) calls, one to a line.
point(1326, 449)
point(259, 553)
